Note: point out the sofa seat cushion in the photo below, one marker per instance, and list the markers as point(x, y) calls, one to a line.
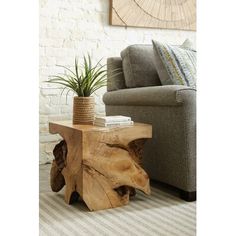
point(175, 65)
point(138, 66)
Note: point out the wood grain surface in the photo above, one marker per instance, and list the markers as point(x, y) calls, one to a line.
point(102, 164)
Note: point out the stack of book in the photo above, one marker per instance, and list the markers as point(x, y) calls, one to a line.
point(113, 121)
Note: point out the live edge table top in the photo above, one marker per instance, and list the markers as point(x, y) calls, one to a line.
point(101, 162)
point(85, 128)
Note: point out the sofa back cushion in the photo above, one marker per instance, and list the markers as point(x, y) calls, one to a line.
point(138, 66)
point(115, 74)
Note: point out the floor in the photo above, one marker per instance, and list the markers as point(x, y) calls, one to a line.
point(44, 178)
point(158, 214)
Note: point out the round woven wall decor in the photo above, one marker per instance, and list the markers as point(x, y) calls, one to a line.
point(168, 14)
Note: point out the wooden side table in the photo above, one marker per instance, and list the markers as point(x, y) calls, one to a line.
point(103, 164)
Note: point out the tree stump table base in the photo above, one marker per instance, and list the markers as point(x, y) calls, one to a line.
point(101, 164)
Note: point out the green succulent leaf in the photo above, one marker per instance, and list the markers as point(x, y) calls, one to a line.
point(83, 80)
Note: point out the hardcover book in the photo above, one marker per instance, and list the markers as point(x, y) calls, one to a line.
point(124, 123)
point(111, 119)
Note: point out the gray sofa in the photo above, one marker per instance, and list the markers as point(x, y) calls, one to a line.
point(170, 156)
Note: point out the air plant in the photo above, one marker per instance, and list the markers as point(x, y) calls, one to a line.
point(84, 80)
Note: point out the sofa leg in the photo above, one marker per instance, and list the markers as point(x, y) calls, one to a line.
point(188, 196)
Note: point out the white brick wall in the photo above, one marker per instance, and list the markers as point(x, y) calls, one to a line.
point(70, 28)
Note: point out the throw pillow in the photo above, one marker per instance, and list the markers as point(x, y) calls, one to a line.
point(175, 64)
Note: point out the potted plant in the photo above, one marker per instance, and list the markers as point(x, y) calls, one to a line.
point(83, 81)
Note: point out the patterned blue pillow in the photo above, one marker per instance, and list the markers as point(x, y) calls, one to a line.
point(175, 64)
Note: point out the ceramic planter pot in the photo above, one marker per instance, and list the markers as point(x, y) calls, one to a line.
point(83, 110)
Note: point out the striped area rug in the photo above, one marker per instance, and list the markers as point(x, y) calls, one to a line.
point(158, 214)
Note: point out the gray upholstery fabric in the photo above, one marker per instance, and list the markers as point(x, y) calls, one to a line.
point(115, 75)
point(138, 66)
point(170, 156)
point(169, 95)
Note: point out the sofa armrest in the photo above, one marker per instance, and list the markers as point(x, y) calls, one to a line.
point(168, 95)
